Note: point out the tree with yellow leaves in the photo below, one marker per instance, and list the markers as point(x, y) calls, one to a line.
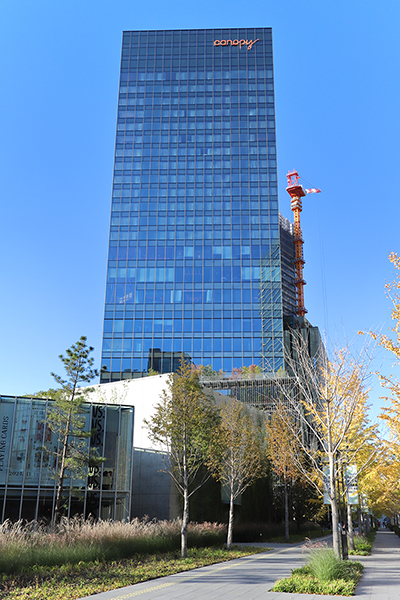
point(362, 436)
point(380, 483)
point(391, 414)
point(325, 401)
point(281, 448)
point(384, 483)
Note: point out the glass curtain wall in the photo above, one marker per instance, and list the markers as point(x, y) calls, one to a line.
point(194, 245)
point(27, 482)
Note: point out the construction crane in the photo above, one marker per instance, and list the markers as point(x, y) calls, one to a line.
point(297, 192)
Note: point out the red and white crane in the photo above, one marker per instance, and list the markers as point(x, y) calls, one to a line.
point(297, 192)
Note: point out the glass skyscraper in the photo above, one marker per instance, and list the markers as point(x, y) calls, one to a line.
point(194, 261)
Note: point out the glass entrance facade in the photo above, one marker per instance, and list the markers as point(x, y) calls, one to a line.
point(28, 469)
point(194, 261)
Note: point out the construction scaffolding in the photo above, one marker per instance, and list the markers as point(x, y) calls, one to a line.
point(264, 390)
point(260, 390)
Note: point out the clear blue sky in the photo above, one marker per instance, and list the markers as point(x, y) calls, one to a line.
point(337, 104)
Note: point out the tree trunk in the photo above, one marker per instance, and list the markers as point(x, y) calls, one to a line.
point(334, 507)
point(185, 516)
point(350, 530)
point(185, 521)
point(230, 523)
point(59, 488)
point(62, 471)
point(286, 512)
point(335, 528)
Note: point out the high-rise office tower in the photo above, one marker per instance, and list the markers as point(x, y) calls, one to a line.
point(194, 262)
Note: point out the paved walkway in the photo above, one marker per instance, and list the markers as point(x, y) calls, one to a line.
point(251, 578)
point(381, 577)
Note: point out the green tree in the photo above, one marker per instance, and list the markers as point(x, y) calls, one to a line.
point(181, 428)
point(151, 372)
point(207, 372)
point(237, 456)
point(66, 420)
point(251, 371)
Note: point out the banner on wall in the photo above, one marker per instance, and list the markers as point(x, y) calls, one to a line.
point(27, 441)
point(350, 477)
point(97, 444)
point(327, 485)
point(39, 435)
point(6, 418)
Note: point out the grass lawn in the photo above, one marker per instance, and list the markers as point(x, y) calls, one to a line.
point(294, 538)
point(69, 582)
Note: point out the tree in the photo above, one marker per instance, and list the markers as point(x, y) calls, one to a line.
point(322, 401)
point(281, 450)
point(181, 428)
point(65, 417)
point(383, 484)
point(379, 485)
point(251, 371)
point(391, 414)
point(237, 453)
point(207, 372)
point(362, 436)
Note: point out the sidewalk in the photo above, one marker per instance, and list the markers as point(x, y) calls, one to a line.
point(252, 577)
point(381, 577)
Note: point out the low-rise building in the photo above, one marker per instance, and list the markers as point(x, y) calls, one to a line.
point(131, 482)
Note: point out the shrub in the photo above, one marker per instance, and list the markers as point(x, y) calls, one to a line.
point(301, 584)
point(324, 574)
point(363, 544)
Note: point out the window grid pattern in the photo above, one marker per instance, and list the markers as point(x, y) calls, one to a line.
point(27, 481)
point(194, 236)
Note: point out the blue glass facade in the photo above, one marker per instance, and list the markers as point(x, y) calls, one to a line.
point(194, 251)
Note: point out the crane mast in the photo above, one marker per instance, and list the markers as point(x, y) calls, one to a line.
point(297, 192)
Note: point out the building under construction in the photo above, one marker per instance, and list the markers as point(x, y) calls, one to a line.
point(262, 387)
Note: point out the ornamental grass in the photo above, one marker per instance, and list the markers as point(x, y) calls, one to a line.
point(324, 574)
point(23, 545)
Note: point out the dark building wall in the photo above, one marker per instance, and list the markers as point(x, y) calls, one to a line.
point(300, 326)
point(152, 492)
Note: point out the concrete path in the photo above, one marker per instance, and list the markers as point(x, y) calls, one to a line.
point(381, 577)
point(251, 578)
